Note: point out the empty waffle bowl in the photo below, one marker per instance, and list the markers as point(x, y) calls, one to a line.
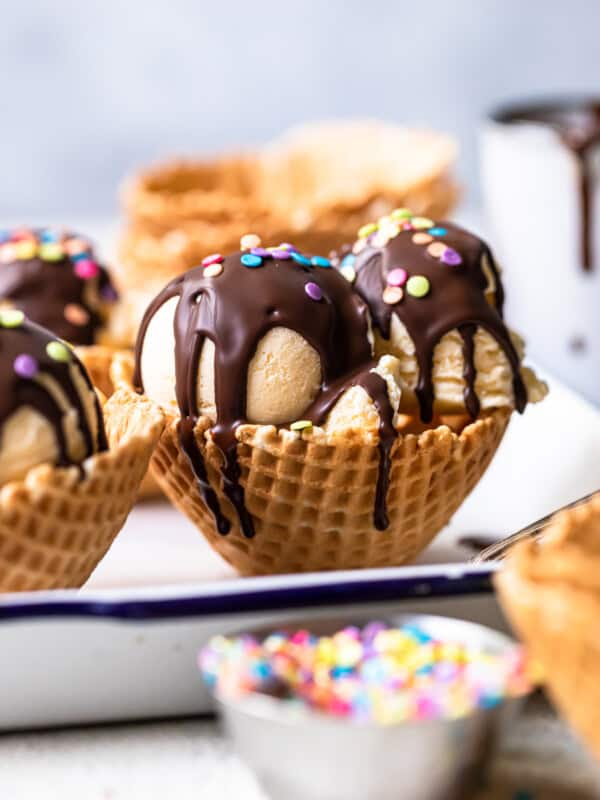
point(302, 754)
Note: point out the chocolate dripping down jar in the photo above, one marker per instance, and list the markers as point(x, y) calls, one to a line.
point(541, 175)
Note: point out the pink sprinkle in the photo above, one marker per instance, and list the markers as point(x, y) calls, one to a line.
point(86, 269)
point(397, 277)
point(215, 258)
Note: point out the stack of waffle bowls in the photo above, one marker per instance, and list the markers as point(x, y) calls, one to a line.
point(315, 186)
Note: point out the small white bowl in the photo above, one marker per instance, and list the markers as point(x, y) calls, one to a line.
point(301, 754)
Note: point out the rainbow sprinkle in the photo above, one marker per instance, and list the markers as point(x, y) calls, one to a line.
point(378, 673)
point(379, 234)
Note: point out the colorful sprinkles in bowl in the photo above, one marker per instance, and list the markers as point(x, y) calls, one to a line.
point(376, 674)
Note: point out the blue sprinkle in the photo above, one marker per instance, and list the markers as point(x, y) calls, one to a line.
point(248, 260)
point(339, 672)
point(80, 256)
point(416, 633)
point(437, 231)
point(4, 236)
point(348, 260)
point(261, 670)
point(426, 669)
point(48, 236)
point(320, 261)
point(300, 259)
point(489, 701)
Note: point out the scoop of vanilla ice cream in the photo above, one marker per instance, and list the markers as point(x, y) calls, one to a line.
point(494, 377)
point(284, 378)
point(28, 437)
point(284, 375)
point(355, 410)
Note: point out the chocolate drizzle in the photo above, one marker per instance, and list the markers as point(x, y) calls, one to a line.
point(235, 310)
point(17, 391)
point(43, 289)
point(456, 300)
point(578, 125)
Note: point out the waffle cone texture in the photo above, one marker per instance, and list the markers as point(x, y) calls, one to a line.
point(550, 590)
point(55, 525)
point(312, 495)
point(98, 360)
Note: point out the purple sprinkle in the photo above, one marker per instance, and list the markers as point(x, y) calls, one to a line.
point(109, 293)
point(451, 257)
point(26, 366)
point(281, 254)
point(313, 291)
point(260, 251)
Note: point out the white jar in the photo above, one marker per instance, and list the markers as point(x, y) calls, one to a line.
point(533, 192)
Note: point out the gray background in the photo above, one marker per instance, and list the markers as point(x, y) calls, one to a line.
point(90, 89)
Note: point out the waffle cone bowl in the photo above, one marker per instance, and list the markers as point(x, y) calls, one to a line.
point(315, 186)
point(56, 525)
point(312, 495)
point(550, 591)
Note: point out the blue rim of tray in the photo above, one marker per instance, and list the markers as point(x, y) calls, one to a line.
point(422, 582)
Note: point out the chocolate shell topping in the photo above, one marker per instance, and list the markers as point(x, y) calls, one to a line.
point(577, 122)
point(29, 354)
point(55, 279)
point(433, 277)
point(235, 301)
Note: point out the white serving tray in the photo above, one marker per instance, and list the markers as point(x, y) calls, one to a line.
point(124, 647)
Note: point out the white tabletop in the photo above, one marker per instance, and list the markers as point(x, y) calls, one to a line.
point(188, 760)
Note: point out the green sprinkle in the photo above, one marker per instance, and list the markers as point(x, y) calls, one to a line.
point(11, 318)
point(418, 286)
point(367, 230)
point(58, 351)
point(51, 251)
point(401, 213)
point(301, 425)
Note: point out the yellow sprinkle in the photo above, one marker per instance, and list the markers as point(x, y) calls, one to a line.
point(11, 318)
point(367, 230)
point(212, 270)
point(26, 250)
point(418, 286)
point(51, 251)
point(249, 240)
point(301, 425)
point(422, 222)
point(58, 351)
point(401, 213)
